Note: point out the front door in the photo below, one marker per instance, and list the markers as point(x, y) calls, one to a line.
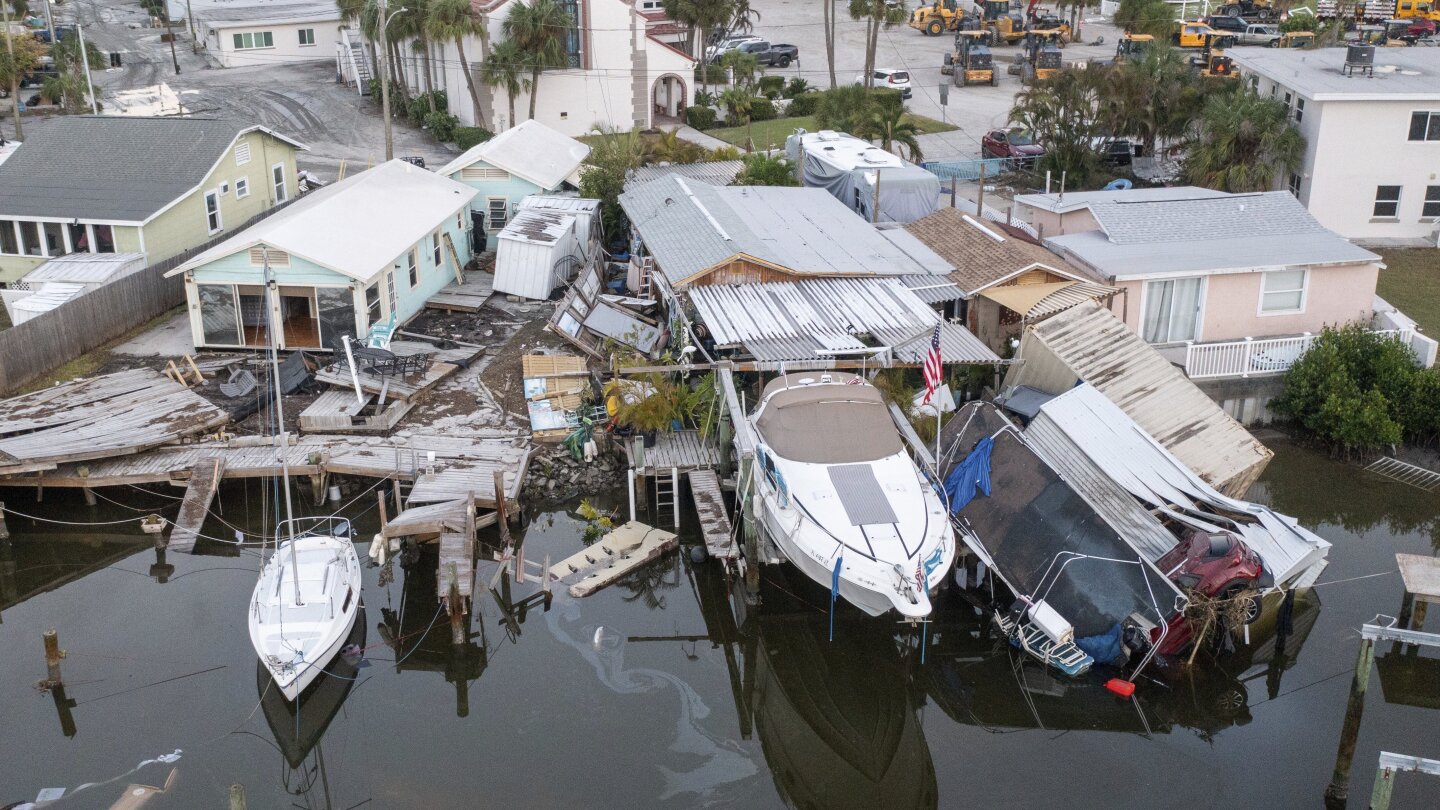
point(1172, 310)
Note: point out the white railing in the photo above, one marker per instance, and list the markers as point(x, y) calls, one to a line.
point(1251, 357)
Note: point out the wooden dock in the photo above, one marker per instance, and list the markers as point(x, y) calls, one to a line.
point(455, 574)
point(100, 417)
point(623, 550)
point(443, 363)
point(467, 295)
point(337, 410)
point(682, 450)
point(204, 481)
point(715, 523)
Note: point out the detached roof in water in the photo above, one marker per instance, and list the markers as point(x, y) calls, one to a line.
point(1089, 344)
point(690, 227)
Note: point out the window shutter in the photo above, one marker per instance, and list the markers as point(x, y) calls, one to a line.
point(242, 154)
point(278, 258)
point(483, 173)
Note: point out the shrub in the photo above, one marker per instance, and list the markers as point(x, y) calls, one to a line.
point(797, 87)
point(724, 153)
point(418, 108)
point(771, 86)
point(700, 117)
point(762, 109)
point(704, 98)
point(710, 74)
point(802, 105)
point(766, 170)
point(466, 137)
point(441, 125)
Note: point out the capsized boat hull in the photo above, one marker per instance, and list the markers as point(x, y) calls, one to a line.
point(297, 642)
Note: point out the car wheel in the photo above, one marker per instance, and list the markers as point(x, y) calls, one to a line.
point(784, 61)
point(1249, 599)
point(934, 28)
point(1231, 701)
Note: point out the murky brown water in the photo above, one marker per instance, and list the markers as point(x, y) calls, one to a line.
point(646, 695)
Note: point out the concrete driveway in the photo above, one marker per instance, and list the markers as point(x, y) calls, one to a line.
point(973, 109)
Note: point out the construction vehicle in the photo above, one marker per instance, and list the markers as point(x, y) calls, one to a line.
point(1193, 34)
point(1005, 26)
point(972, 62)
point(1212, 60)
point(1042, 56)
point(1050, 22)
point(942, 15)
point(1294, 39)
point(1133, 47)
point(1261, 10)
point(1413, 9)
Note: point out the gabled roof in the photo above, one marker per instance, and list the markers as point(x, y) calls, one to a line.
point(355, 227)
point(982, 253)
point(1233, 232)
point(530, 151)
point(1075, 200)
point(690, 227)
point(115, 168)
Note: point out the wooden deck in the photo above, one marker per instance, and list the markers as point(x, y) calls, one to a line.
point(99, 417)
point(467, 296)
point(204, 481)
point(714, 520)
point(444, 363)
point(456, 567)
point(336, 410)
point(681, 450)
point(623, 550)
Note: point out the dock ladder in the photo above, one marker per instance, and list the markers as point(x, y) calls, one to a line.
point(1405, 473)
point(667, 495)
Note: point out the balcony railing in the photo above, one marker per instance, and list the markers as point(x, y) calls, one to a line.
point(1252, 357)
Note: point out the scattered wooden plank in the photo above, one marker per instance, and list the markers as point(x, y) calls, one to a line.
point(715, 523)
point(335, 409)
point(623, 550)
point(204, 481)
point(467, 295)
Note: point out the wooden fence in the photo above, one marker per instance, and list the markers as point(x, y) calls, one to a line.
point(30, 349)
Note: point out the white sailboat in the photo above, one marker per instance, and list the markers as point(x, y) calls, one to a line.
point(308, 593)
point(837, 488)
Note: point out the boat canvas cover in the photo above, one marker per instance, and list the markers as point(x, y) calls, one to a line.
point(828, 424)
point(1032, 518)
point(1125, 453)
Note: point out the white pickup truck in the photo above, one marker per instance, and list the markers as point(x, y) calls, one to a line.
point(1258, 34)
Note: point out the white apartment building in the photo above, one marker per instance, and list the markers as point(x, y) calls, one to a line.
point(1372, 158)
point(264, 32)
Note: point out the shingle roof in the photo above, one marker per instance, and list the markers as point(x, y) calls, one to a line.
point(1233, 216)
point(983, 254)
point(689, 227)
point(529, 150)
point(355, 227)
point(116, 168)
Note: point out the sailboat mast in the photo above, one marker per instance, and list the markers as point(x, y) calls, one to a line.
point(271, 304)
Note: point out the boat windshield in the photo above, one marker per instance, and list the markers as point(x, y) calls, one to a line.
point(829, 424)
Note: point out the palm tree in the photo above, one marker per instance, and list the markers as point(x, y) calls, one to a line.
point(701, 17)
point(877, 14)
point(414, 17)
point(889, 125)
point(1152, 99)
point(671, 148)
point(539, 30)
point(363, 13)
point(1244, 142)
point(505, 68)
point(20, 56)
point(737, 100)
point(455, 20)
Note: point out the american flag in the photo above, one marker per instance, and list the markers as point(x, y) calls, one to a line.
point(932, 365)
point(919, 575)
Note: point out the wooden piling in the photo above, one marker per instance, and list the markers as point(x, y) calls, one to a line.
point(53, 654)
point(1339, 788)
point(457, 614)
point(384, 520)
point(89, 496)
point(237, 797)
point(501, 518)
point(4, 530)
point(399, 501)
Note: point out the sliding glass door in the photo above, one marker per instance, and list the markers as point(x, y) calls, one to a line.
point(1172, 310)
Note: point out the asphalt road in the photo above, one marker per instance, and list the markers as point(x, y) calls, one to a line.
point(302, 100)
point(973, 109)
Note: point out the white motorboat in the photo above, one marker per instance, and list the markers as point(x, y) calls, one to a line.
point(305, 602)
point(836, 487)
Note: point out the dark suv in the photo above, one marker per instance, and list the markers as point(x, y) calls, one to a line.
point(1230, 25)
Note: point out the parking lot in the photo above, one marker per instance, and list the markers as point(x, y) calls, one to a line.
point(972, 109)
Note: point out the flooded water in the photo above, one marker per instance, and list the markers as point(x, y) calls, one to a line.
point(647, 695)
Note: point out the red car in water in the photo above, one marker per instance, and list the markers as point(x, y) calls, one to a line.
point(1215, 564)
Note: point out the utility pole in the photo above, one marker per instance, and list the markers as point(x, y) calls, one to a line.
point(49, 23)
point(190, 18)
point(165, 10)
point(85, 60)
point(14, 88)
point(385, 81)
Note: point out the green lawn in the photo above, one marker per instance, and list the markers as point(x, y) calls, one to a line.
point(768, 134)
point(1411, 281)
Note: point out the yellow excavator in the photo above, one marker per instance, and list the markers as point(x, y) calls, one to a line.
point(972, 62)
point(1212, 60)
point(1133, 47)
point(940, 16)
point(1042, 56)
point(1006, 27)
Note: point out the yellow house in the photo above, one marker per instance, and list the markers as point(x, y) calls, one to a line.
point(157, 186)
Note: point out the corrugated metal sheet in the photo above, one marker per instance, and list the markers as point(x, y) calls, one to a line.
point(1070, 296)
point(538, 227)
point(1089, 343)
point(933, 289)
point(714, 172)
point(798, 320)
point(87, 268)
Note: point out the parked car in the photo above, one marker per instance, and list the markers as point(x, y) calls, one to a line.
point(892, 78)
point(724, 46)
point(1258, 34)
point(1420, 28)
point(1227, 24)
point(1015, 144)
point(777, 55)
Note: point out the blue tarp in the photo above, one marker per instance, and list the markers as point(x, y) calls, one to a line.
point(973, 472)
point(1105, 648)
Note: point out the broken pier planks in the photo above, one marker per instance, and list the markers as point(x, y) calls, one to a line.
point(204, 480)
point(468, 295)
point(714, 520)
point(621, 551)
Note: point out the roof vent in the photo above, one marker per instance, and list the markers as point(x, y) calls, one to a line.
point(875, 156)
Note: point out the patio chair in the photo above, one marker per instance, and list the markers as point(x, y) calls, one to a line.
point(241, 383)
point(381, 333)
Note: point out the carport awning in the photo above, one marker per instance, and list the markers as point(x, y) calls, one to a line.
point(1040, 300)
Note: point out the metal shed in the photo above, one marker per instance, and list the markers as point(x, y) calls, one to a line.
point(537, 252)
point(585, 211)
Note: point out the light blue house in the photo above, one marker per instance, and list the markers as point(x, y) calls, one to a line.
point(530, 158)
point(343, 259)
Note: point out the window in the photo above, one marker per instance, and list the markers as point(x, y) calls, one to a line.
point(390, 290)
point(1387, 201)
point(1172, 310)
point(242, 154)
point(412, 267)
point(242, 188)
point(79, 238)
point(307, 36)
point(1299, 109)
point(224, 188)
point(1282, 291)
point(1431, 209)
point(372, 303)
point(573, 57)
point(252, 40)
point(277, 174)
point(9, 239)
point(104, 238)
point(219, 323)
point(496, 216)
point(460, 219)
point(212, 211)
point(1295, 184)
point(54, 238)
point(30, 239)
point(435, 247)
point(1425, 126)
